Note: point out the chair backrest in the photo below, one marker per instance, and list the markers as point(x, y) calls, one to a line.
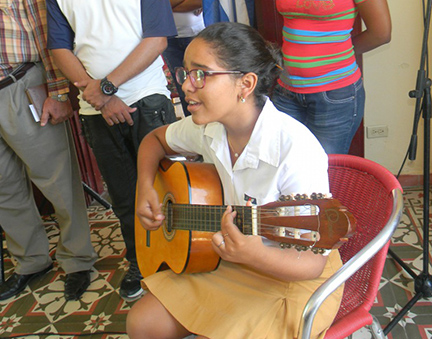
point(365, 188)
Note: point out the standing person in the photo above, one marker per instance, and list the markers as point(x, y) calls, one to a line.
point(39, 153)
point(111, 51)
point(189, 22)
point(258, 290)
point(322, 86)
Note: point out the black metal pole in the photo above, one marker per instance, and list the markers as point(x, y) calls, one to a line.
point(96, 196)
point(422, 93)
point(421, 84)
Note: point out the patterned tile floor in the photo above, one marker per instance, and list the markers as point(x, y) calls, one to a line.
point(41, 309)
point(397, 286)
point(101, 312)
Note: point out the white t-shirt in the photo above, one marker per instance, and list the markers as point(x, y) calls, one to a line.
point(188, 24)
point(106, 32)
point(281, 157)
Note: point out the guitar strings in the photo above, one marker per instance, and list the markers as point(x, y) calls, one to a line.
point(222, 208)
point(217, 224)
point(191, 218)
point(213, 225)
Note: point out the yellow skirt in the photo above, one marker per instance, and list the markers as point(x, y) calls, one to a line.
point(237, 302)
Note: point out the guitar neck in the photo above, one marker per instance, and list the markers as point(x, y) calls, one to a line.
point(321, 223)
point(207, 218)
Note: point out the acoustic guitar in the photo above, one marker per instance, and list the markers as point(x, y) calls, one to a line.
point(191, 196)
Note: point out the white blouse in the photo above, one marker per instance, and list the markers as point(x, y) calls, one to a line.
point(281, 157)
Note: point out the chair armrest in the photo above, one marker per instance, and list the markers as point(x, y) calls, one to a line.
point(350, 267)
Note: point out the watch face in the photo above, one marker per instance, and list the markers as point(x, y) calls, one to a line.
point(62, 97)
point(107, 87)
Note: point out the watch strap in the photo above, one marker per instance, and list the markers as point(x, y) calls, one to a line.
point(60, 97)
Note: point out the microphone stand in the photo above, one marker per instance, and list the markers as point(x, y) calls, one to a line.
point(422, 93)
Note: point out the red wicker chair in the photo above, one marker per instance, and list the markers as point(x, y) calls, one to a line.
point(374, 196)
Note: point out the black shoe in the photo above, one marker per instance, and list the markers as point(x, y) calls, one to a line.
point(17, 283)
point(76, 284)
point(130, 287)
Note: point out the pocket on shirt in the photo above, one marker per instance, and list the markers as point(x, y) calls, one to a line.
point(262, 198)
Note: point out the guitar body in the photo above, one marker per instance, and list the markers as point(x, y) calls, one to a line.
point(181, 250)
point(191, 195)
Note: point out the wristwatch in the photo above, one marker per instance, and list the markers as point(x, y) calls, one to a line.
point(60, 97)
point(107, 87)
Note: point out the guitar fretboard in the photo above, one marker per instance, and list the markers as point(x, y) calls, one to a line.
point(206, 218)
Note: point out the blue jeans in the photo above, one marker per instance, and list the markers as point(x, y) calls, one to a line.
point(333, 116)
point(173, 56)
point(116, 149)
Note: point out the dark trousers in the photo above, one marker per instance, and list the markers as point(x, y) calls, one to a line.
point(173, 56)
point(116, 149)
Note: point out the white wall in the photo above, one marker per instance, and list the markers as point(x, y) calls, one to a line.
point(390, 72)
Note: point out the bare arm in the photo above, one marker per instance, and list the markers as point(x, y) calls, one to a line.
point(175, 3)
point(70, 65)
point(185, 5)
point(148, 207)
point(114, 110)
point(136, 62)
point(376, 17)
point(286, 264)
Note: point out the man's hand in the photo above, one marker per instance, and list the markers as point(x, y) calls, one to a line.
point(115, 111)
point(92, 93)
point(55, 111)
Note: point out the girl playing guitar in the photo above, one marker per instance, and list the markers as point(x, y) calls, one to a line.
point(258, 290)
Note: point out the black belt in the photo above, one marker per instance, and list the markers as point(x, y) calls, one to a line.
point(17, 74)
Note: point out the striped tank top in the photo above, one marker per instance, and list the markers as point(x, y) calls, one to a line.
point(317, 48)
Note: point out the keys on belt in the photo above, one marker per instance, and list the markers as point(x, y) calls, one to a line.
point(17, 74)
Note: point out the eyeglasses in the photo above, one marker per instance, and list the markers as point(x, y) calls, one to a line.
point(198, 76)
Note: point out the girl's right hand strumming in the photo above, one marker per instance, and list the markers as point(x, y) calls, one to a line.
point(149, 210)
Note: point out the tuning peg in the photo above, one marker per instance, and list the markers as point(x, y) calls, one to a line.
point(316, 196)
point(298, 196)
point(285, 245)
point(286, 198)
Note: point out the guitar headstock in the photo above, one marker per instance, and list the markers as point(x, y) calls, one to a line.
point(316, 222)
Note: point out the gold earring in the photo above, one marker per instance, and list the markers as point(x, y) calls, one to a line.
point(242, 100)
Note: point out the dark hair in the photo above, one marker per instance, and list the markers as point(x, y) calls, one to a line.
point(240, 47)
